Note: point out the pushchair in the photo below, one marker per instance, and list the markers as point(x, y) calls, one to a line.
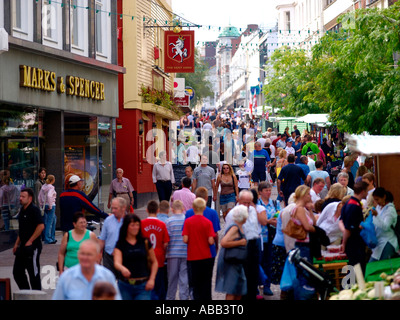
point(318, 279)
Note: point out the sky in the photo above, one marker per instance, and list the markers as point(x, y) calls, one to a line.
point(215, 14)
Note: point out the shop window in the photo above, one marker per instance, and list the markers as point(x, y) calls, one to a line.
point(103, 30)
point(19, 145)
point(80, 152)
point(52, 24)
point(22, 19)
point(105, 158)
point(79, 27)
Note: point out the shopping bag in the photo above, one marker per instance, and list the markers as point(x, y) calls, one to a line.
point(368, 232)
point(289, 275)
point(262, 277)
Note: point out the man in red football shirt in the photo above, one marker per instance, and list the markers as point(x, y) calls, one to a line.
point(156, 230)
point(199, 235)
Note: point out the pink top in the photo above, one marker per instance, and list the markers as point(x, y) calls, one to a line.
point(186, 196)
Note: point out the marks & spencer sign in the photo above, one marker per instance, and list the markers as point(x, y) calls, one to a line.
point(45, 80)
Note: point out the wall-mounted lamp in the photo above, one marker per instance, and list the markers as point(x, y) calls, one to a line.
point(141, 127)
point(154, 129)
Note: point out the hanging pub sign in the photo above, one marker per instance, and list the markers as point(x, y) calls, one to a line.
point(179, 52)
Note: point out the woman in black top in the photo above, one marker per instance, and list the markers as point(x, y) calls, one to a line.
point(135, 260)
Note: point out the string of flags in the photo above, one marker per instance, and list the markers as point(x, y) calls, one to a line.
point(169, 23)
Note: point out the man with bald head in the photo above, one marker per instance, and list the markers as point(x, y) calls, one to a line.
point(77, 283)
point(110, 231)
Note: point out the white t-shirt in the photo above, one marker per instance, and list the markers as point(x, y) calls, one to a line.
point(244, 179)
point(273, 149)
point(311, 164)
point(262, 141)
point(192, 154)
point(290, 150)
point(314, 197)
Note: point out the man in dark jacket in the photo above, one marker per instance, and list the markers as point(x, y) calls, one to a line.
point(74, 200)
point(290, 177)
point(28, 246)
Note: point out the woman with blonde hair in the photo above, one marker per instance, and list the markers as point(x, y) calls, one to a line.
point(282, 161)
point(304, 218)
point(335, 194)
point(229, 189)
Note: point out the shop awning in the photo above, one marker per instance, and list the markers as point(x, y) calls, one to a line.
point(315, 118)
point(374, 145)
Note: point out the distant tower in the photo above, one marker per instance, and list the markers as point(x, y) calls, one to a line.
point(225, 50)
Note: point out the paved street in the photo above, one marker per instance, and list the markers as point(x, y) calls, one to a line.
point(48, 260)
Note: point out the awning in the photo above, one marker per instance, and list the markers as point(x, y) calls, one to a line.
point(373, 145)
point(315, 118)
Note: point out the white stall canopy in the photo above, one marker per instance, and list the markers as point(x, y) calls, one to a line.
point(374, 145)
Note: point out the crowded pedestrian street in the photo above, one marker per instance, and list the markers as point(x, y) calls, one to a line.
point(152, 150)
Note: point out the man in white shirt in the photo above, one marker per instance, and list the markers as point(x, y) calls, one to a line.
point(207, 125)
point(318, 186)
point(192, 154)
point(263, 139)
point(319, 172)
point(289, 149)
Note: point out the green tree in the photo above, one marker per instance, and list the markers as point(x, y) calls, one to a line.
point(350, 74)
point(290, 82)
point(198, 80)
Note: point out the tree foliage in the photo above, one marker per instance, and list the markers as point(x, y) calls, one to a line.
point(350, 74)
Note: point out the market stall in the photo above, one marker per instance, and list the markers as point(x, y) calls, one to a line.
point(386, 153)
point(381, 280)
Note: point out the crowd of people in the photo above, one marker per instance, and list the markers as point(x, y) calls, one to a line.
point(218, 218)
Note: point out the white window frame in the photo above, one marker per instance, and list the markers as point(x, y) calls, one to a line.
point(52, 16)
point(25, 31)
point(82, 48)
point(104, 54)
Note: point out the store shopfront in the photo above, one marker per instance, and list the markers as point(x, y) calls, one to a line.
point(58, 114)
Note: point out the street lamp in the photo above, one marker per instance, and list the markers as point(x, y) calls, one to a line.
point(141, 127)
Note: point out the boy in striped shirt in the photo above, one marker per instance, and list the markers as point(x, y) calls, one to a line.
point(177, 254)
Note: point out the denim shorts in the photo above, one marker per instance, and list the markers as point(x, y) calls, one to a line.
point(133, 292)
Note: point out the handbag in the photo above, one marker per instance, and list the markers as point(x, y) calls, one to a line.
point(44, 204)
point(236, 255)
point(294, 230)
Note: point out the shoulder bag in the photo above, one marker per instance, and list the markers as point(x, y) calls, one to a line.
point(44, 204)
point(294, 230)
point(236, 255)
